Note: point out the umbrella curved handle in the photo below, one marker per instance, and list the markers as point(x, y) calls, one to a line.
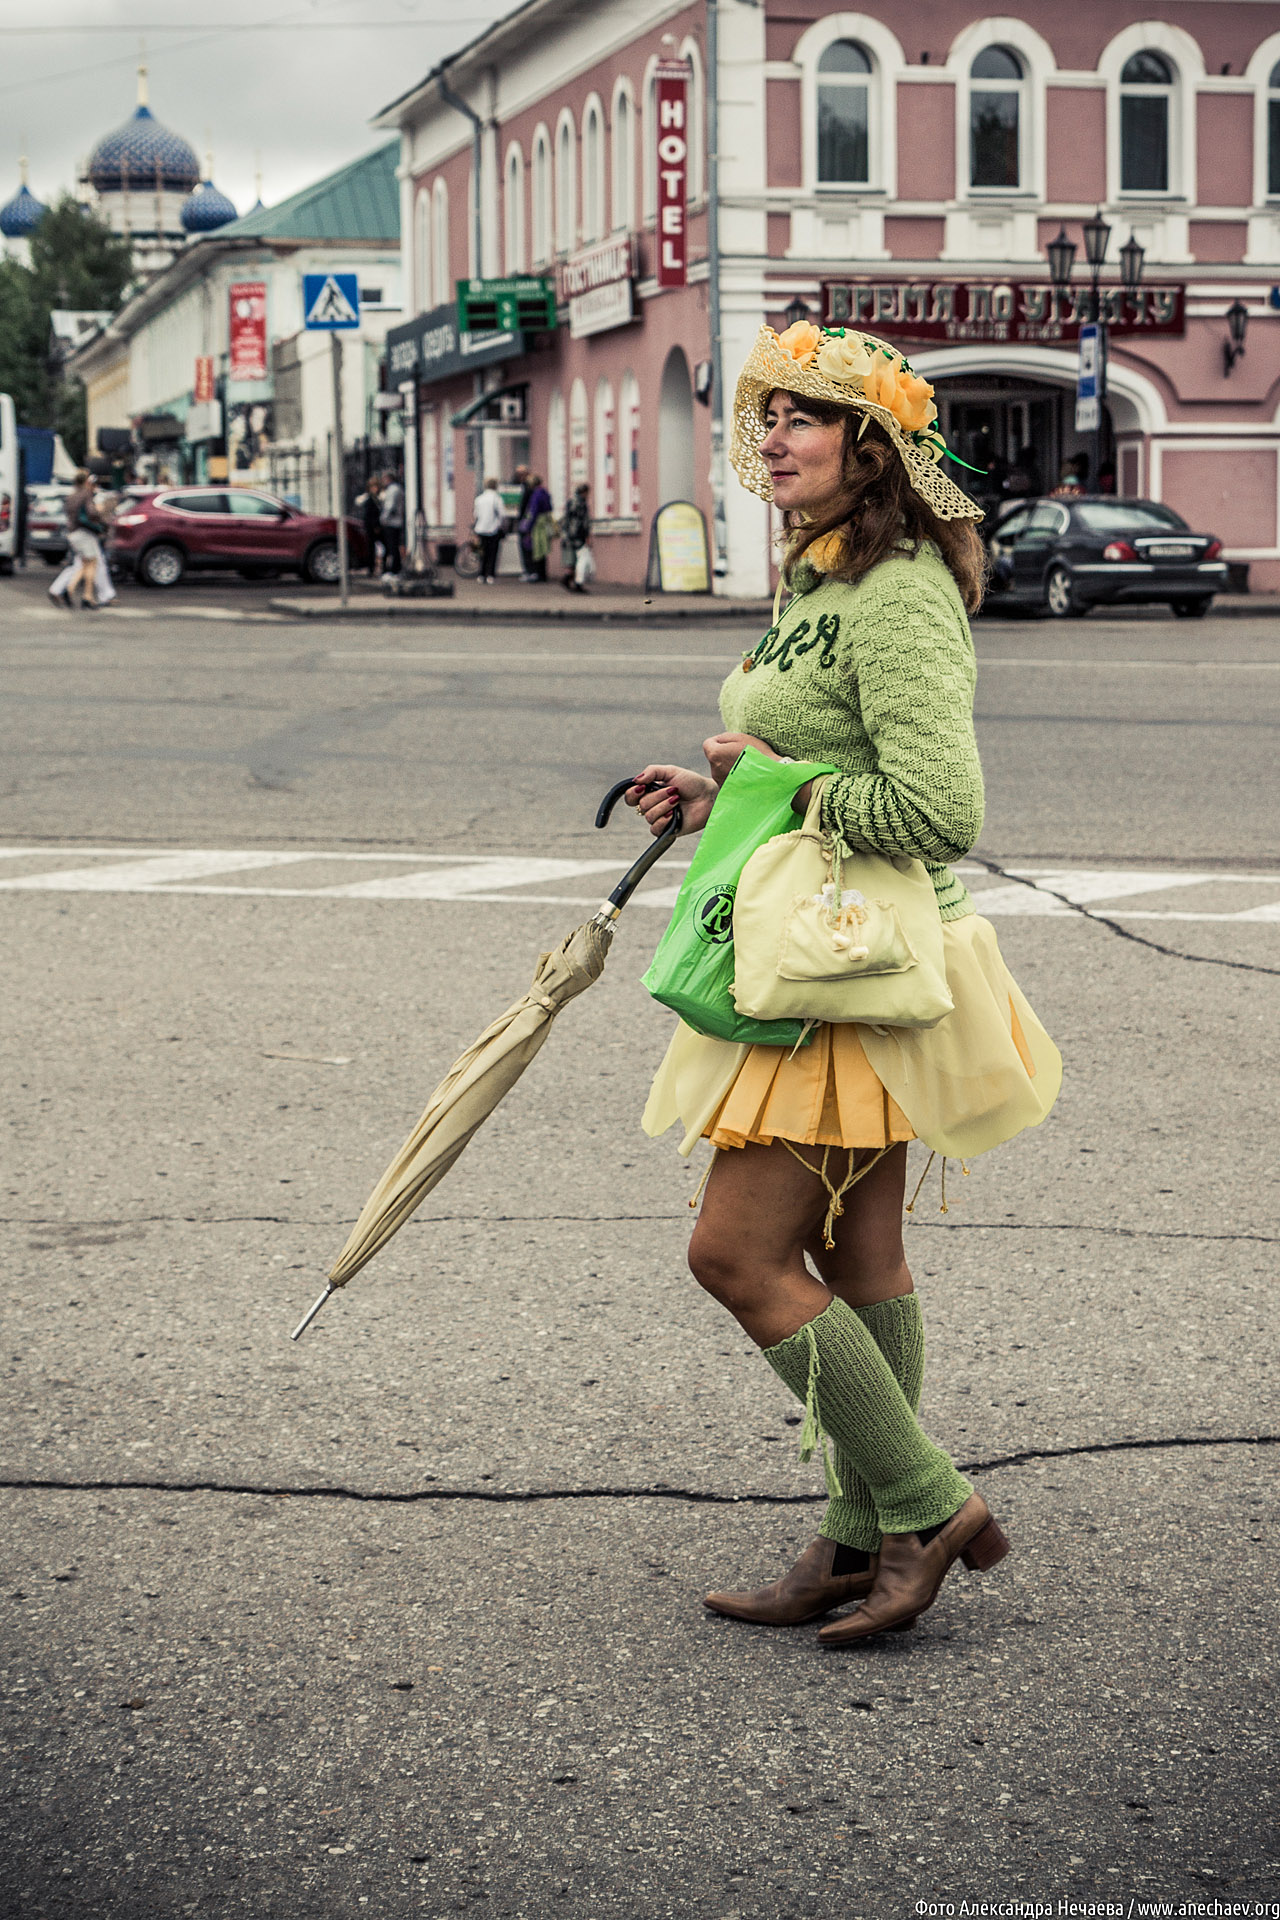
point(635, 874)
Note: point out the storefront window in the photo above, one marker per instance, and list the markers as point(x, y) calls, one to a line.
point(995, 119)
point(557, 471)
point(629, 490)
point(844, 115)
point(605, 506)
point(1146, 88)
point(579, 460)
point(1273, 131)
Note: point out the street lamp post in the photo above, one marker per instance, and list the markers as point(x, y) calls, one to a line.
point(1061, 255)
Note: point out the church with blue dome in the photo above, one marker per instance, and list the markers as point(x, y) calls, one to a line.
point(144, 181)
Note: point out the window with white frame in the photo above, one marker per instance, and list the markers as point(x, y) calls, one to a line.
point(844, 115)
point(513, 209)
point(557, 466)
point(629, 448)
point(997, 85)
point(579, 459)
point(604, 505)
point(440, 286)
point(422, 250)
point(592, 173)
point(622, 209)
point(691, 54)
point(541, 198)
point(566, 186)
point(1147, 83)
point(1273, 133)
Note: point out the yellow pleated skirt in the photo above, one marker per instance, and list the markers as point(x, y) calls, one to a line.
point(984, 1073)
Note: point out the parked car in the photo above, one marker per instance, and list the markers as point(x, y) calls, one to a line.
point(161, 535)
point(47, 523)
point(1077, 551)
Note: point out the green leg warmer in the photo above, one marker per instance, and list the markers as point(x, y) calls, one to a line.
point(897, 1328)
point(836, 1370)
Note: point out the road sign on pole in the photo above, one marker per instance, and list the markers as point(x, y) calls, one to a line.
point(1088, 410)
point(330, 302)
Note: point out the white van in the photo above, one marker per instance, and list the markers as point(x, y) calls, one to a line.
point(10, 485)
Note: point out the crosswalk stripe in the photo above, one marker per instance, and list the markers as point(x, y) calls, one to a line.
point(518, 879)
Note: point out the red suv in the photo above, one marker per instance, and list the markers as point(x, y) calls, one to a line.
point(161, 535)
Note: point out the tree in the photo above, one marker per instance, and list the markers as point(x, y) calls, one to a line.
point(76, 262)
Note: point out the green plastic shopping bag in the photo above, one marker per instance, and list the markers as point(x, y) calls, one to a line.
point(692, 971)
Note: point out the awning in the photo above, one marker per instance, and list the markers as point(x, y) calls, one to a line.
point(481, 401)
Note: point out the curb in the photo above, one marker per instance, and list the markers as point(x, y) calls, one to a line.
point(448, 612)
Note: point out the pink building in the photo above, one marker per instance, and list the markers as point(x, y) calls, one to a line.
point(902, 165)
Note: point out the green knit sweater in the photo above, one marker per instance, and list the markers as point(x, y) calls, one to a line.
point(878, 679)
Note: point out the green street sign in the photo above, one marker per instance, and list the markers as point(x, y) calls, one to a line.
point(524, 303)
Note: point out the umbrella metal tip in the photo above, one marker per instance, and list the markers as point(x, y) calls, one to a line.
point(308, 1317)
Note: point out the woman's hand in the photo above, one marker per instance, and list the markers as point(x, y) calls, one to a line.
point(694, 792)
point(723, 749)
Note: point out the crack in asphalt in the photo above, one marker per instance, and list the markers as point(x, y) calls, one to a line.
point(1101, 920)
point(608, 1219)
point(690, 1496)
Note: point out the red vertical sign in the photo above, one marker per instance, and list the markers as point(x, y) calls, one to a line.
point(672, 159)
point(248, 330)
point(204, 378)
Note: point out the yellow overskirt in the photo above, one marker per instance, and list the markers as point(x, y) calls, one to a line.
point(984, 1073)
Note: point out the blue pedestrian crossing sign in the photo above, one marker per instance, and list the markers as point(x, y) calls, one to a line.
point(330, 302)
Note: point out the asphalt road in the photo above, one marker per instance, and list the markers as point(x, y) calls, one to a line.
point(405, 1619)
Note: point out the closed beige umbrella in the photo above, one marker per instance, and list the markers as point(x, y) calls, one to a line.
point(487, 1071)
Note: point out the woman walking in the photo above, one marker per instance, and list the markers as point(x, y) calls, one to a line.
point(537, 528)
point(370, 507)
point(84, 528)
point(870, 669)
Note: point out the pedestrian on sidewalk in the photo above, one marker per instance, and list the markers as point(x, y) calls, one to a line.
point(369, 509)
point(575, 537)
point(489, 520)
point(391, 513)
point(869, 669)
point(524, 481)
point(538, 528)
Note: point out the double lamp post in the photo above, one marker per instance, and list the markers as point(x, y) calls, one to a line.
point(1062, 255)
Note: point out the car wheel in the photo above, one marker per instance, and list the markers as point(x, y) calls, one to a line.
point(162, 565)
point(1060, 595)
point(1191, 609)
point(322, 564)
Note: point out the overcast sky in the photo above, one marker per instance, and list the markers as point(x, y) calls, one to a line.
point(289, 87)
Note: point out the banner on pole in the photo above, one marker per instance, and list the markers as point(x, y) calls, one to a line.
point(247, 329)
point(671, 132)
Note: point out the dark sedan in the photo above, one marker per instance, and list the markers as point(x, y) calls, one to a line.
point(1077, 551)
point(161, 535)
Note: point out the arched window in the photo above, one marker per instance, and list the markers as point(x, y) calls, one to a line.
point(440, 277)
point(691, 54)
point(566, 186)
point(604, 504)
point(629, 449)
point(1273, 132)
point(593, 181)
point(513, 209)
point(422, 249)
point(995, 119)
point(844, 115)
point(622, 211)
point(1146, 99)
point(578, 430)
point(557, 470)
point(542, 198)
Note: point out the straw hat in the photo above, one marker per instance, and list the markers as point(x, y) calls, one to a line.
point(847, 369)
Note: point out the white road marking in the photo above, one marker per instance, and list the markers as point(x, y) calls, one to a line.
point(519, 879)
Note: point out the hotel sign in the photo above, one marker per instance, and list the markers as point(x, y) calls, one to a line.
point(1019, 312)
point(671, 135)
point(597, 286)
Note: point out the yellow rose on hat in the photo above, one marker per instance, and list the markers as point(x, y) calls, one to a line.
point(912, 404)
point(843, 357)
point(800, 341)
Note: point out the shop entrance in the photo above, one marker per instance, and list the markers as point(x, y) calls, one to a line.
point(1021, 432)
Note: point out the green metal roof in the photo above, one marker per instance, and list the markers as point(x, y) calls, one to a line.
point(358, 202)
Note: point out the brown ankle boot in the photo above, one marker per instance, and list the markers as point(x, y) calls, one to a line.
point(806, 1593)
point(909, 1573)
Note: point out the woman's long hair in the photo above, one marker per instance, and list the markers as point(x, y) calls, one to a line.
point(876, 509)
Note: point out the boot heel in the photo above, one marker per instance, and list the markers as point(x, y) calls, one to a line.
point(986, 1548)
